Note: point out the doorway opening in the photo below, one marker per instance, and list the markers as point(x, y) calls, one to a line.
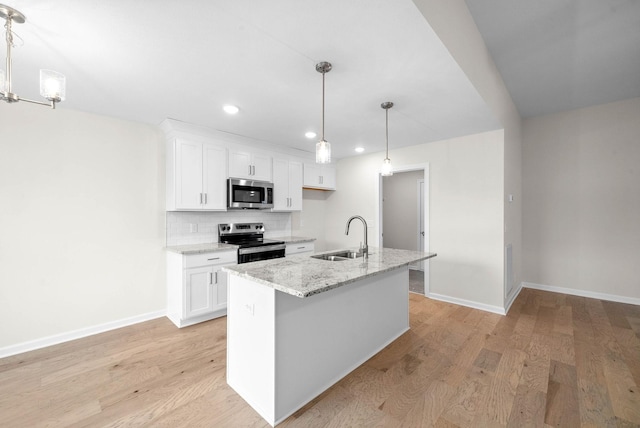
point(404, 218)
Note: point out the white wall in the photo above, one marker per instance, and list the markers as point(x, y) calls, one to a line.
point(582, 199)
point(465, 215)
point(81, 224)
point(400, 219)
point(454, 25)
point(310, 222)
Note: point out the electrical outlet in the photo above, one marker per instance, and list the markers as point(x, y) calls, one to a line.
point(250, 308)
point(193, 227)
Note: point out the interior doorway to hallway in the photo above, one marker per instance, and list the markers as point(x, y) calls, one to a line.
point(404, 218)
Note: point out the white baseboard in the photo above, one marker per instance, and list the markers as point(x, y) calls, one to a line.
point(468, 303)
point(76, 334)
point(583, 293)
point(512, 298)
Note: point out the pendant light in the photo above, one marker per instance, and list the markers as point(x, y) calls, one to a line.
point(323, 148)
point(387, 168)
point(52, 83)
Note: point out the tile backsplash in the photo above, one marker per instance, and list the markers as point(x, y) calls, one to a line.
point(193, 227)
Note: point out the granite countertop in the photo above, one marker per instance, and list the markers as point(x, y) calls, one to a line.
point(201, 248)
point(213, 247)
point(302, 276)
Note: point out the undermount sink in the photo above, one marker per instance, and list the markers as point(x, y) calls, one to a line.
point(339, 256)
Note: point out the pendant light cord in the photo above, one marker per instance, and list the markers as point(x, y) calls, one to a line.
point(6, 86)
point(387, 131)
point(323, 73)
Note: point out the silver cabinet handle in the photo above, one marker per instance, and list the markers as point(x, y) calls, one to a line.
point(200, 198)
point(254, 170)
point(249, 169)
point(214, 258)
point(216, 277)
point(300, 248)
point(210, 278)
point(205, 198)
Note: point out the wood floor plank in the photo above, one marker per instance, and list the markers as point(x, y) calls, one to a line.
point(554, 360)
point(469, 399)
point(535, 371)
point(634, 323)
point(427, 410)
point(503, 387)
point(562, 396)
point(528, 408)
point(593, 395)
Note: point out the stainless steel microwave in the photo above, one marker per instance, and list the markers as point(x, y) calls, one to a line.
point(249, 194)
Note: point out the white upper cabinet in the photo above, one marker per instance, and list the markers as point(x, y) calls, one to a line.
point(249, 165)
point(319, 176)
point(287, 185)
point(196, 175)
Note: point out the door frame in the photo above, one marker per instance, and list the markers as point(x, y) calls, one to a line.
point(424, 167)
point(420, 197)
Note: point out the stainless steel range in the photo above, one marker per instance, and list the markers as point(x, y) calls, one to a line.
point(250, 238)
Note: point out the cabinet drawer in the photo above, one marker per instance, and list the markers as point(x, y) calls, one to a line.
point(215, 258)
point(302, 247)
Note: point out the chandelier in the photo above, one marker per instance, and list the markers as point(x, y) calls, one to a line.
point(52, 83)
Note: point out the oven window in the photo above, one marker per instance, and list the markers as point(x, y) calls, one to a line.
point(248, 194)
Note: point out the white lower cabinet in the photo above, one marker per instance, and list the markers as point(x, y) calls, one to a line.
point(197, 286)
point(302, 247)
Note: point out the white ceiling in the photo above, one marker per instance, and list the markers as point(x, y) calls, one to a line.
point(557, 55)
point(146, 60)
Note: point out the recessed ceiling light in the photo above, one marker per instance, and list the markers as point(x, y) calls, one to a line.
point(231, 109)
point(310, 134)
point(359, 149)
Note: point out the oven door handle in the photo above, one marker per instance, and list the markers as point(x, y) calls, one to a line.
point(263, 249)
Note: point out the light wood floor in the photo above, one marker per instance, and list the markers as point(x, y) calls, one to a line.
point(555, 360)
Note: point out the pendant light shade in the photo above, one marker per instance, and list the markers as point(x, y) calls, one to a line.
point(323, 147)
point(387, 168)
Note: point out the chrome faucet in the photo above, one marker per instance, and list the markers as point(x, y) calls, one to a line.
point(365, 249)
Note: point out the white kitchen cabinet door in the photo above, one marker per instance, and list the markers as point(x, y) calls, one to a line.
point(261, 167)
point(328, 177)
point(220, 282)
point(287, 185)
point(318, 176)
point(198, 290)
point(188, 174)
point(196, 176)
point(249, 165)
point(295, 186)
point(214, 177)
point(240, 164)
point(280, 185)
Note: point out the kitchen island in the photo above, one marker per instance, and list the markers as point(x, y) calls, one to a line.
point(297, 325)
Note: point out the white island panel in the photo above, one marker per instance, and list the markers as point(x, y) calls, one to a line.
point(314, 341)
point(251, 344)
